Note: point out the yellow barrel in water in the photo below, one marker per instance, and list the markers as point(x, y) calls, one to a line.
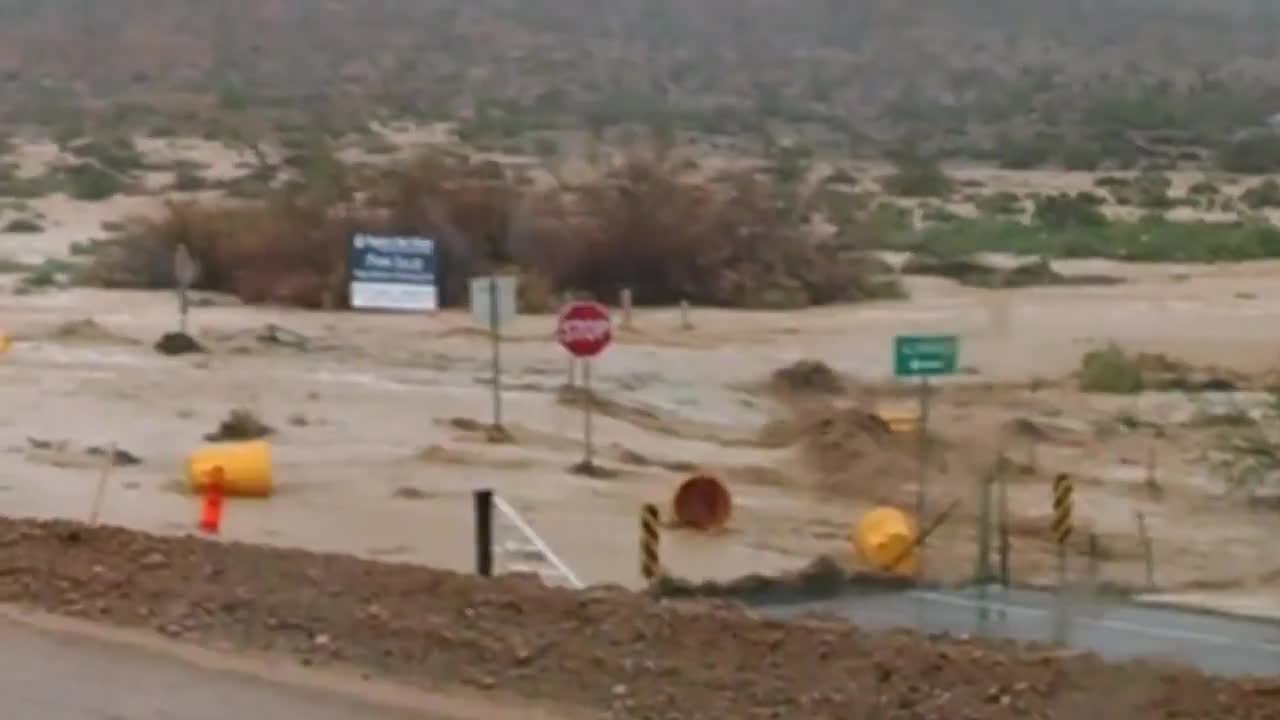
point(883, 539)
point(246, 468)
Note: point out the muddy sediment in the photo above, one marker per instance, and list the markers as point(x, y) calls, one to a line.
point(622, 654)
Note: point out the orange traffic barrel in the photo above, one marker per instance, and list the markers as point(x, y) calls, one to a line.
point(703, 503)
point(885, 539)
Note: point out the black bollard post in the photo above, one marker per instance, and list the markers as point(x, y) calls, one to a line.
point(484, 532)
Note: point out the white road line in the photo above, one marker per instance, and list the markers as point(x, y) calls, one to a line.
point(1152, 630)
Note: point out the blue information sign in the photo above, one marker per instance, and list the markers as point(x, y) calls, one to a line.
point(393, 273)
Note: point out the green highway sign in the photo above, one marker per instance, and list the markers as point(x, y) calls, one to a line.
point(925, 355)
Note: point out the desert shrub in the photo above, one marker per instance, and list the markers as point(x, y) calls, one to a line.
point(1023, 153)
point(1110, 370)
point(931, 213)
point(28, 187)
point(1064, 210)
point(640, 224)
point(917, 176)
point(89, 182)
point(1265, 194)
point(1253, 154)
point(1081, 156)
point(119, 155)
point(1150, 240)
point(1203, 188)
point(1001, 203)
point(188, 179)
point(1151, 190)
point(1110, 182)
point(23, 225)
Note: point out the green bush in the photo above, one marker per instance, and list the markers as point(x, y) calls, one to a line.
point(1110, 370)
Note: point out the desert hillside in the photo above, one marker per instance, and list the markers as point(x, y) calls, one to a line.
point(1109, 80)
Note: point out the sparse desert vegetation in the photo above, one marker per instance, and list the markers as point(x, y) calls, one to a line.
point(1022, 84)
point(735, 241)
point(1124, 138)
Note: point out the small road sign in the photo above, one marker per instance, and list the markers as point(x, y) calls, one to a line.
point(483, 291)
point(185, 269)
point(925, 355)
point(584, 328)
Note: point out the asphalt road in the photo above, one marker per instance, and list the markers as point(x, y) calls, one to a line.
point(1113, 630)
point(47, 675)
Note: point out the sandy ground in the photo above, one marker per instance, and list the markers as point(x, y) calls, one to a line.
point(382, 403)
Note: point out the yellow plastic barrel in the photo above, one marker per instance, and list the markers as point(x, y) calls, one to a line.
point(702, 503)
point(246, 468)
point(883, 539)
point(4, 343)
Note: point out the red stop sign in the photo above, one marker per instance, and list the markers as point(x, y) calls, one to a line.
point(584, 328)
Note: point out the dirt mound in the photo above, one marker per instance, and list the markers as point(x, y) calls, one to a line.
point(807, 376)
point(606, 650)
point(240, 424)
point(178, 343)
point(89, 330)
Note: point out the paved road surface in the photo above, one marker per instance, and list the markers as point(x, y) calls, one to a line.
point(1114, 630)
point(47, 676)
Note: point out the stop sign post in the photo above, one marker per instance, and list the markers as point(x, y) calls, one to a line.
point(584, 329)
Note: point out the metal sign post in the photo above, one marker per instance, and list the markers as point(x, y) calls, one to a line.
point(185, 271)
point(493, 305)
point(588, 442)
point(496, 341)
point(923, 357)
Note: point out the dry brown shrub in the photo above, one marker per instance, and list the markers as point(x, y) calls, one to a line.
point(640, 224)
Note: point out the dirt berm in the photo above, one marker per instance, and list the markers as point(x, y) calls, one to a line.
point(619, 654)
